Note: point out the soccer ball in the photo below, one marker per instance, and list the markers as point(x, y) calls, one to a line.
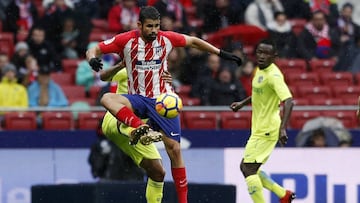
point(168, 105)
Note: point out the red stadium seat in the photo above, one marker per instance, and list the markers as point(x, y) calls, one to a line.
point(190, 101)
point(200, 120)
point(301, 101)
point(100, 36)
point(287, 65)
point(7, 43)
point(70, 65)
point(89, 120)
point(235, 120)
point(302, 79)
point(322, 65)
point(351, 101)
point(299, 118)
point(63, 78)
point(294, 91)
point(345, 91)
point(99, 25)
point(74, 91)
point(183, 90)
point(336, 78)
point(57, 120)
point(326, 101)
point(314, 92)
point(348, 118)
point(94, 92)
point(20, 121)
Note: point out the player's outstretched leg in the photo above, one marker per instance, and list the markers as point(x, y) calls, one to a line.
point(253, 181)
point(286, 196)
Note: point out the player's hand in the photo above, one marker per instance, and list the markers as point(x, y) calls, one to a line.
point(96, 64)
point(283, 138)
point(230, 56)
point(235, 106)
point(166, 76)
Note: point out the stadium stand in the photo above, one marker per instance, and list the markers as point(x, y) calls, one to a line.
point(200, 120)
point(7, 43)
point(315, 91)
point(322, 65)
point(52, 120)
point(89, 120)
point(20, 121)
point(291, 65)
point(63, 79)
point(307, 78)
point(336, 78)
point(235, 120)
point(299, 118)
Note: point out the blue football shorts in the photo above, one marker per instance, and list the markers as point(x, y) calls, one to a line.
point(144, 107)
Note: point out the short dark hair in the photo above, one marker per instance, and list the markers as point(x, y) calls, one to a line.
point(268, 41)
point(149, 12)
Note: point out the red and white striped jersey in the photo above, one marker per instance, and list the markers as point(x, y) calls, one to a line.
point(145, 62)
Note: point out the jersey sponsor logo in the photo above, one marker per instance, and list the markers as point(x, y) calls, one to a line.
point(260, 79)
point(148, 65)
point(106, 42)
point(174, 134)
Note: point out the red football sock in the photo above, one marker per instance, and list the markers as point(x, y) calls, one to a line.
point(181, 185)
point(128, 117)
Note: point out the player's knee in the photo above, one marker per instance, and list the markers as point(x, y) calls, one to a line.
point(174, 151)
point(246, 170)
point(157, 173)
point(106, 99)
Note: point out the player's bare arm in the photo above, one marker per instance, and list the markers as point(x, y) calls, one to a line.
point(235, 106)
point(92, 57)
point(107, 75)
point(288, 106)
point(202, 45)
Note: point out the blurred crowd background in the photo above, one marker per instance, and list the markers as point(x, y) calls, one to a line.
point(43, 44)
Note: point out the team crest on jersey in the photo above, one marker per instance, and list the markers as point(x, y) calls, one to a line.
point(260, 79)
point(158, 50)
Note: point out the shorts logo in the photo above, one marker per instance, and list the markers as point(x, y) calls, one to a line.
point(174, 134)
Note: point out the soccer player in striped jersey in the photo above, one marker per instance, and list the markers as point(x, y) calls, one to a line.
point(267, 126)
point(145, 53)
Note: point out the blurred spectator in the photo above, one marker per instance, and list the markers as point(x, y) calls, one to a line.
point(28, 74)
point(226, 89)
point(318, 139)
point(69, 37)
point(104, 7)
point(296, 9)
point(220, 14)
point(347, 28)
point(260, 13)
point(349, 57)
point(89, 8)
point(45, 92)
point(12, 94)
point(55, 15)
point(175, 65)
point(280, 31)
point(108, 162)
point(328, 7)
point(86, 77)
point(20, 16)
point(18, 59)
point(3, 6)
point(4, 60)
point(43, 50)
point(236, 48)
point(174, 10)
point(123, 16)
point(205, 77)
point(246, 75)
point(318, 39)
